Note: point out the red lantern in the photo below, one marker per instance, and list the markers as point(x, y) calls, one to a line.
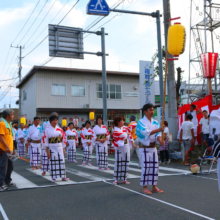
point(209, 61)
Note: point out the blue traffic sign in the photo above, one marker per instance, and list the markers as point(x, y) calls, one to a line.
point(98, 7)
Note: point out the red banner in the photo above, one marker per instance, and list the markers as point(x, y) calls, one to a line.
point(203, 104)
point(209, 62)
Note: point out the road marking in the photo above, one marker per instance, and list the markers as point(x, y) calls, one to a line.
point(139, 171)
point(160, 168)
point(204, 177)
point(22, 182)
point(3, 213)
point(161, 201)
point(111, 172)
point(84, 174)
point(39, 173)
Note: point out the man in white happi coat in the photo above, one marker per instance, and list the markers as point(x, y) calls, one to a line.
point(148, 132)
point(214, 129)
point(34, 140)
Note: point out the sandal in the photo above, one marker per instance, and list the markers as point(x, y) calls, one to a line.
point(115, 183)
point(126, 182)
point(158, 191)
point(147, 192)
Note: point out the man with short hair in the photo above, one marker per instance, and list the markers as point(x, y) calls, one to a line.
point(186, 135)
point(194, 111)
point(132, 128)
point(148, 132)
point(34, 140)
point(204, 127)
point(6, 147)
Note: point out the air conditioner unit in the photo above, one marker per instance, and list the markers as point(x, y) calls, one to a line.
point(87, 106)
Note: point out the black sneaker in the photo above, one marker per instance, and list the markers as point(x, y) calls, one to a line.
point(11, 184)
point(3, 188)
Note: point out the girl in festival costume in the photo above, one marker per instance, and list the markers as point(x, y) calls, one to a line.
point(101, 137)
point(122, 137)
point(87, 137)
point(55, 144)
point(72, 142)
point(21, 141)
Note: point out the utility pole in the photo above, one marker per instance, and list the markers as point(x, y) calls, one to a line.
point(104, 87)
point(171, 85)
point(19, 75)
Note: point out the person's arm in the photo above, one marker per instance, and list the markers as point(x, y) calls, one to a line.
point(200, 125)
point(181, 134)
point(198, 111)
point(2, 140)
point(159, 139)
point(192, 132)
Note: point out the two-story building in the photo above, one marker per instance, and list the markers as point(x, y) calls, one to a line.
point(73, 93)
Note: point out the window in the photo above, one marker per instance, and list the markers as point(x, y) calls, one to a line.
point(24, 95)
point(113, 91)
point(58, 89)
point(78, 91)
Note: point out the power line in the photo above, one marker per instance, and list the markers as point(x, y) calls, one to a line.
point(9, 65)
point(41, 22)
point(26, 22)
point(47, 35)
point(8, 79)
point(5, 60)
point(69, 11)
point(47, 25)
point(33, 22)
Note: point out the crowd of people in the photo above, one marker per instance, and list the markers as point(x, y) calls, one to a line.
point(47, 144)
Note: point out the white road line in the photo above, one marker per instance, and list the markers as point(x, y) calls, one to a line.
point(111, 172)
point(139, 171)
point(204, 177)
point(48, 177)
point(3, 213)
point(84, 174)
point(161, 201)
point(160, 168)
point(22, 182)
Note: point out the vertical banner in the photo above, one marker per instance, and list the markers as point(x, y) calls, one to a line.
point(146, 85)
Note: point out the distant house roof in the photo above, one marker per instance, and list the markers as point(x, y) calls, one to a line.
point(34, 69)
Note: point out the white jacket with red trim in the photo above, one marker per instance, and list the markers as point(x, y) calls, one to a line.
point(85, 133)
point(120, 134)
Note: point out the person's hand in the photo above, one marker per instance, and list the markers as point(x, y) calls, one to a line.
point(89, 143)
point(162, 128)
point(48, 155)
point(135, 146)
point(180, 140)
point(162, 143)
point(7, 150)
point(194, 140)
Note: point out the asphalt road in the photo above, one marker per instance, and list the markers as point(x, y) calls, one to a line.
point(91, 195)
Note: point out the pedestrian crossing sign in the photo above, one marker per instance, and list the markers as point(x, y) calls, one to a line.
point(98, 7)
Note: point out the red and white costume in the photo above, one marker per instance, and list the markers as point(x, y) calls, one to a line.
point(122, 136)
point(72, 139)
point(56, 141)
point(87, 137)
point(101, 148)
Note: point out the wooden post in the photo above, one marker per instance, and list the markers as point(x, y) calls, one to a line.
point(165, 86)
point(209, 86)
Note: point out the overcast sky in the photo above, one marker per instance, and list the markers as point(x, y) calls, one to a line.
point(131, 37)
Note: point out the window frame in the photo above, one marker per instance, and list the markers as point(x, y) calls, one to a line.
point(24, 90)
point(108, 91)
point(78, 95)
point(58, 85)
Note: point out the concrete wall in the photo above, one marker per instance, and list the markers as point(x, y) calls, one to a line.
point(45, 99)
point(28, 106)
